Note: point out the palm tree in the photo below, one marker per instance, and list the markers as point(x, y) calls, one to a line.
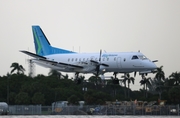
point(160, 74)
point(175, 76)
point(160, 77)
point(95, 80)
point(145, 81)
point(17, 67)
point(80, 79)
point(157, 86)
point(55, 73)
point(8, 77)
point(124, 82)
point(114, 83)
point(65, 76)
point(115, 80)
point(129, 80)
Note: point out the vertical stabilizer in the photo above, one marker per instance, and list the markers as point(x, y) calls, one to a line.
point(42, 45)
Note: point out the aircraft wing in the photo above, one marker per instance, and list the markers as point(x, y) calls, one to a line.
point(45, 60)
point(33, 55)
point(60, 63)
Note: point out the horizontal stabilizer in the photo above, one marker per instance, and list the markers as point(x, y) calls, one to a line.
point(33, 55)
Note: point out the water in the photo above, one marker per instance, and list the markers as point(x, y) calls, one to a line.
point(83, 116)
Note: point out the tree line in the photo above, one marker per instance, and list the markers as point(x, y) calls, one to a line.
point(16, 88)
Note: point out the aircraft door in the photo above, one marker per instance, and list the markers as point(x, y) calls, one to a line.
point(119, 62)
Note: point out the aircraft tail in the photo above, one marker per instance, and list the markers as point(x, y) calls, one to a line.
point(42, 45)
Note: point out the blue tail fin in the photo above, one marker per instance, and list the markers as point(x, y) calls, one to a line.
point(42, 45)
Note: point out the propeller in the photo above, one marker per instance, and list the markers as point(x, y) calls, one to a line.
point(98, 65)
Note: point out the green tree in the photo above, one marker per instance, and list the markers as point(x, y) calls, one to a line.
point(174, 94)
point(160, 73)
point(65, 76)
point(22, 99)
point(160, 77)
point(175, 76)
point(73, 99)
point(95, 80)
point(38, 98)
point(113, 83)
point(17, 67)
point(80, 79)
point(146, 83)
point(115, 80)
point(129, 79)
point(124, 82)
point(157, 86)
point(55, 73)
point(92, 97)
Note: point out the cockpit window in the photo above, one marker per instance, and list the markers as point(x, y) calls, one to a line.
point(142, 57)
point(135, 57)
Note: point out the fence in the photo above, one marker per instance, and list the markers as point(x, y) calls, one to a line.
point(25, 110)
point(95, 110)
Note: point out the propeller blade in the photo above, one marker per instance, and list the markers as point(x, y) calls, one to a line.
point(100, 56)
point(97, 70)
point(105, 65)
point(98, 64)
point(94, 61)
point(135, 74)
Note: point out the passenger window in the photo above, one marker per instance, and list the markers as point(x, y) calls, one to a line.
point(114, 58)
point(72, 59)
point(83, 59)
point(79, 59)
point(68, 59)
point(76, 59)
point(135, 57)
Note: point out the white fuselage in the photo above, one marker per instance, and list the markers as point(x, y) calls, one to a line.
point(121, 62)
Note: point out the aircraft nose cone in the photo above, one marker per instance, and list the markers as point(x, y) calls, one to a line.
point(153, 65)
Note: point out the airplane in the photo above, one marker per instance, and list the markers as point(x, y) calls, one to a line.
point(95, 63)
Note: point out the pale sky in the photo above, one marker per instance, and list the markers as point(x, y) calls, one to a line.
point(151, 26)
